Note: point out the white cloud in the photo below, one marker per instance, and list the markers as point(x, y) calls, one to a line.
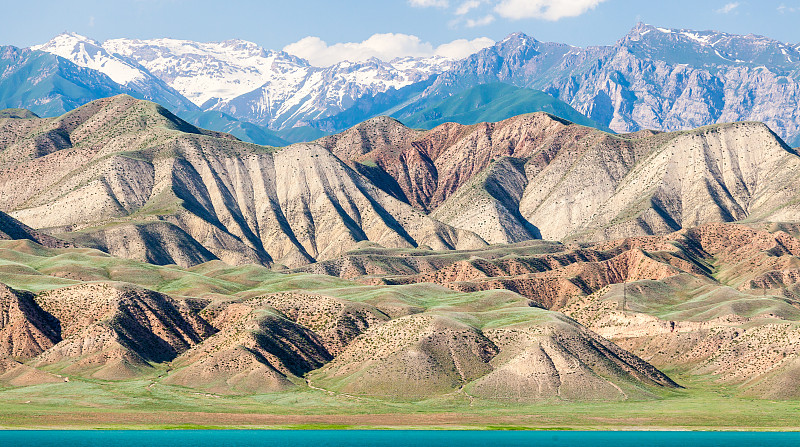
point(382, 46)
point(429, 3)
point(483, 21)
point(783, 8)
point(728, 8)
point(544, 9)
point(467, 6)
point(461, 48)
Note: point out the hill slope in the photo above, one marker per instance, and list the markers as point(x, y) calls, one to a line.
point(129, 177)
point(246, 330)
point(538, 176)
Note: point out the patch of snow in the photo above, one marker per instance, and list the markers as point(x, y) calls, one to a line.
point(721, 56)
point(703, 40)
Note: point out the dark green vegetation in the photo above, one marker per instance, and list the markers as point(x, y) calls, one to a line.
point(489, 103)
point(242, 130)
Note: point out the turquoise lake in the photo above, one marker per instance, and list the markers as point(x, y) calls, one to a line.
point(402, 438)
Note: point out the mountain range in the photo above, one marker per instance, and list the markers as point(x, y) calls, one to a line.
point(445, 248)
point(652, 78)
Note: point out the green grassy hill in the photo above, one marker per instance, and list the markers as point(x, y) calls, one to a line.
point(491, 103)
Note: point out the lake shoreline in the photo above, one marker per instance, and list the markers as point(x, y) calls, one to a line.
point(392, 422)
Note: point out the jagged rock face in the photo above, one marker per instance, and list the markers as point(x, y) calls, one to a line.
point(134, 180)
point(653, 78)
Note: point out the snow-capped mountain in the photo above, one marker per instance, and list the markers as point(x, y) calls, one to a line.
point(268, 87)
point(88, 53)
point(713, 46)
point(239, 78)
point(653, 77)
point(324, 91)
point(214, 71)
point(49, 85)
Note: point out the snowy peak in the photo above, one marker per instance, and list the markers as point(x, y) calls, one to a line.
point(66, 42)
point(515, 43)
point(86, 52)
point(719, 48)
point(518, 39)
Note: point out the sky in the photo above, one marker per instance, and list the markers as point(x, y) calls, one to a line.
point(326, 31)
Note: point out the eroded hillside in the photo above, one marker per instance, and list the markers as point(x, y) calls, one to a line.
point(719, 299)
point(130, 178)
point(245, 330)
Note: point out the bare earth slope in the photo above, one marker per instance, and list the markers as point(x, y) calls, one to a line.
point(718, 299)
point(112, 331)
point(11, 228)
point(130, 178)
point(536, 176)
point(247, 330)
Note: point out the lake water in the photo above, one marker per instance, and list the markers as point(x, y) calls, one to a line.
point(401, 438)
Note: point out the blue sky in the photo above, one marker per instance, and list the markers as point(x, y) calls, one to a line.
point(276, 24)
